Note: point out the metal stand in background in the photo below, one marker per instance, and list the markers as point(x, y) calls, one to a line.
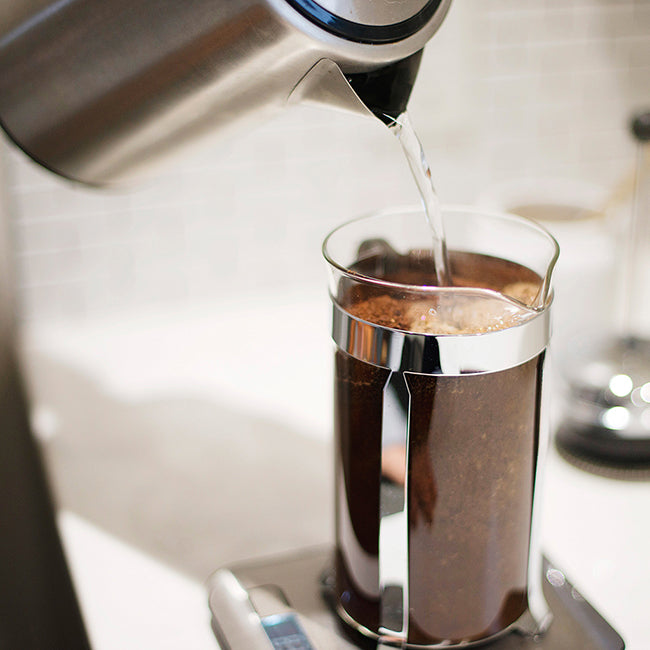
point(607, 420)
point(38, 606)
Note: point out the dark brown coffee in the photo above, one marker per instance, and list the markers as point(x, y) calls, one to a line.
point(471, 463)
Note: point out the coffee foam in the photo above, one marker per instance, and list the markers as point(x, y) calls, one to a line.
point(450, 311)
point(477, 313)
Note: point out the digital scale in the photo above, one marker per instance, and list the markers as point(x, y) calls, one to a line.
point(285, 603)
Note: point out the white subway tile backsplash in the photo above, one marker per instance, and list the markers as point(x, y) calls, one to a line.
point(618, 19)
point(52, 267)
point(511, 28)
point(508, 89)
point(638, 52)
point(513, 92)
point(44, 236)
point(636, 88)
point(606, 144)
point(561, 25)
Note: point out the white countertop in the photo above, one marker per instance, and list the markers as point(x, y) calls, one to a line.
point(595, 529)
point(129, 600)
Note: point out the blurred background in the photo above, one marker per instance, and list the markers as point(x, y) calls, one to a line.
point(175, 334)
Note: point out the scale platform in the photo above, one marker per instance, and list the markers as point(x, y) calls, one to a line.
point(282, 602)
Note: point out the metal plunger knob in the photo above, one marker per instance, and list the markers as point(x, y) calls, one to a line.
point(641, 127)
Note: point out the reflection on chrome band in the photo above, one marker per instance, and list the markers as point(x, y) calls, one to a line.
point(393, 523)
point(440, 354)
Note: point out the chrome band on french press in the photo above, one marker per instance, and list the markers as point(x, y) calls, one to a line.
point(440, 354)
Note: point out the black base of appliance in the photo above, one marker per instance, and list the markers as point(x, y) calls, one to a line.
point(604, 452)
point(287, 598)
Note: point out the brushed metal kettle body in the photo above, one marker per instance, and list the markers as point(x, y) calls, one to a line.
point(97, 89)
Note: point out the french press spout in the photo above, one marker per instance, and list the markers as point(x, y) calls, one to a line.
point(95, 90)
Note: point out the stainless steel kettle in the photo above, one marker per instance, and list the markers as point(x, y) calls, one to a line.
point(97, 89)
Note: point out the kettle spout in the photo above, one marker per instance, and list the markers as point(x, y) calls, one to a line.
point(386, 91)
point(382, 93)
point(326, 85)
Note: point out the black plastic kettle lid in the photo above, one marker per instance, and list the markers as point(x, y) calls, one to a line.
point(369, 21)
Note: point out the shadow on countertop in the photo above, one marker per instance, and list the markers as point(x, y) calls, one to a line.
point(193, 483)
